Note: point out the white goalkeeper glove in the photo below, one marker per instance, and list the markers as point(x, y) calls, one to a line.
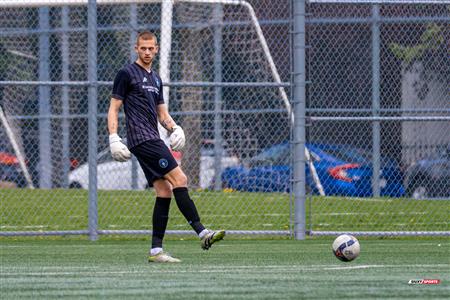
point(119, 150)
point(177, 138)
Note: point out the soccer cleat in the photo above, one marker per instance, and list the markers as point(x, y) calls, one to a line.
point(163, 257)
point(211, 237)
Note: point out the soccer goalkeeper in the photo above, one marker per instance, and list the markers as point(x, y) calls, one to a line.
point(139, 89)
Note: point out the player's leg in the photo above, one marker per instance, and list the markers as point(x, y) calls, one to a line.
point(180, 191)
point(145, 153)
point(187, 207)
point(160, 218)
point(160, 212)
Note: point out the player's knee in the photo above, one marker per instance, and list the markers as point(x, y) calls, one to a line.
point(177, 178)
point(180, 180)
point(165, 193)
point(162, 188)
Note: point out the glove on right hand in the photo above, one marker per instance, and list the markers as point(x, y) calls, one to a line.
point(119, 150)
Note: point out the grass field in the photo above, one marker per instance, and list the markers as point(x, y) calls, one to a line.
point(32, 210)
point(115, 267)
point(232, 269)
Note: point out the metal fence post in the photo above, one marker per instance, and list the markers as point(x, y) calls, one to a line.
point(65, 123)
point(376, 135)
point(93, 136)
point(299, 104)
point(218, 142)
point(45, 155)
point(133, 37)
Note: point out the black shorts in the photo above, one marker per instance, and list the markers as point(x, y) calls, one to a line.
point(155, 159)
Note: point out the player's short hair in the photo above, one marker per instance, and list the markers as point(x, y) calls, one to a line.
point(146, 36)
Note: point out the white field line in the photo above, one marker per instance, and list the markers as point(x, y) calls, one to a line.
point(57, 246)
point(219, 269)
point(355, 267)
point(28, 227)
point(370, 213)
point(247, 215)
point(367, 199)
point(95, 273)
point(223, 267)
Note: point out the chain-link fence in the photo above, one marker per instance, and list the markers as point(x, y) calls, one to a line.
point(377, 103)
point(379, 107)
point(225, 124)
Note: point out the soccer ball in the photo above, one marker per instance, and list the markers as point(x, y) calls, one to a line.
point(346, 247)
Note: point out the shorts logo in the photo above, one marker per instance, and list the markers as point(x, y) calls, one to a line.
point(163, 163)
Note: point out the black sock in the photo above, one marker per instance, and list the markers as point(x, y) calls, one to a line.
point(187, 208)
point(160, 219)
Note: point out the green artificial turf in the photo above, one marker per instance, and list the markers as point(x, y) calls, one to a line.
point(232, 269)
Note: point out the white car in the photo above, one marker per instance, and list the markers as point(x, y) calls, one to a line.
point(207, 170)
point(113, 175)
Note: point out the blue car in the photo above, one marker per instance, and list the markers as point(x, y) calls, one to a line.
point(341, 169)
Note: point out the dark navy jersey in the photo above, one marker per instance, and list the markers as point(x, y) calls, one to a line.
point(141, 93)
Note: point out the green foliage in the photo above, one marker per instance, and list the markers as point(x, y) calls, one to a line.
point(431, 42)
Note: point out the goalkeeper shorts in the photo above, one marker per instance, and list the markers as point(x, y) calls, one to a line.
point(155, 159)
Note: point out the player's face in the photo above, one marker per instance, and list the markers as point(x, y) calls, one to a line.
point(146, 51)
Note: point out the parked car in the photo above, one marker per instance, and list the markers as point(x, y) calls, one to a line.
point(208, 161)
point(430, 177)
point(342, 170)
point(11, 175)
point(113, 175)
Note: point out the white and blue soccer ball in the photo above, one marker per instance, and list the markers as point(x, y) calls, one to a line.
point(346, 247)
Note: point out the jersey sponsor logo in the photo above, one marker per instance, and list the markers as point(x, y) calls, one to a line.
point(163, 163)
point(150, 88)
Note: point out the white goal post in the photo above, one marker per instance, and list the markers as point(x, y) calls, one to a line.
point(165, 40)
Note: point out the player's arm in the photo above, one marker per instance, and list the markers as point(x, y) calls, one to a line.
point(164, 118)
point(119, 151)
point(177, 138)
point(113, 115)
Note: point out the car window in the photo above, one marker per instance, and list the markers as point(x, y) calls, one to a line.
point(104, 156)
point(348, 154)
point(275, 155)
